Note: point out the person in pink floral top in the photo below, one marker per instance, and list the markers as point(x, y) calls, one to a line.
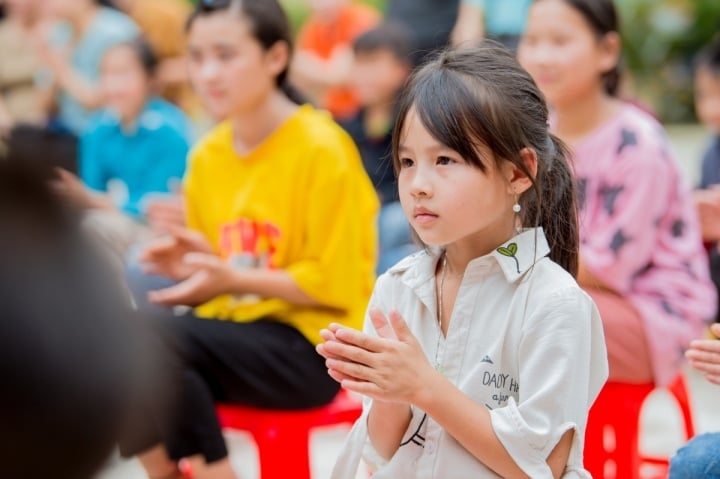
point(641, 254)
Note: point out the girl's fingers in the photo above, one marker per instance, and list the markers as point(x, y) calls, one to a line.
point(351, 369)
point(703, 355)
point(380, 323)
point(348, 352)
point(361, 340)
point(339, 377)
point(706, 367)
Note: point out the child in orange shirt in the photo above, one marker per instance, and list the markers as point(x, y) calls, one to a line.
point(324, 52)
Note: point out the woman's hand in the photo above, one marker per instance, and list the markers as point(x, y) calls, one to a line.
point(166, 256)
point(211, 277)
point(704, 355)
point(390, 368)
point(164, 213)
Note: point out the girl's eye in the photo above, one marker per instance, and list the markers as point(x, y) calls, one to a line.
point(406, 162)
point(444, 160)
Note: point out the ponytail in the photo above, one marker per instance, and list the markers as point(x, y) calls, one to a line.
point(552, 204)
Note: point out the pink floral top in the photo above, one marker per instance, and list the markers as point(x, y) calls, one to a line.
point(639, 233)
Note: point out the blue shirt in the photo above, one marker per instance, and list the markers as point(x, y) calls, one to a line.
point(108, 28)
point(142, 162)
point(503, 17)
point(710, 172)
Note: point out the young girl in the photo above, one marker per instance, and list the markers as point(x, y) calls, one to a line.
point(282, 243)
point(481, 356)
point(641, 257)
point(134, 150)
point(72, 52)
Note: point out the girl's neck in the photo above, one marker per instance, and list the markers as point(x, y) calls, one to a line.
point(576, 120)
point(130, 122)
point(251, 127)
point(25, 23)
point(460, 253)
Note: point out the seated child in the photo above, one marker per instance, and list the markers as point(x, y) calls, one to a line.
point(382, 64)
point(322, 64)
point(707, 105)
point(134, 151)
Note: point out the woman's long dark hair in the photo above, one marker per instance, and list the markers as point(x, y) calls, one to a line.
point(268, 25)
point(481, 95)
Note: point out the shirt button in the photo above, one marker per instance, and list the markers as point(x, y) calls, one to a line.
point(430, 448)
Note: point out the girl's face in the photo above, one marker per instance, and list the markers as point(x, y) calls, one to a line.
point(124, 83)
point(229, 68)
point(563, 54)
point(707, 98)
point(448, 201)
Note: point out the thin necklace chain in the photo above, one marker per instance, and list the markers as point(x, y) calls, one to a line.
point(443, 275)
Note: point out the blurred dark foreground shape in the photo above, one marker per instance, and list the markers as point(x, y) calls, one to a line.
point(71, 354)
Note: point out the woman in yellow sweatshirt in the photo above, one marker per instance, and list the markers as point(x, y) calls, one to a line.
point(281, 242)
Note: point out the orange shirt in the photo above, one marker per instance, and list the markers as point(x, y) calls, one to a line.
point(322, 38)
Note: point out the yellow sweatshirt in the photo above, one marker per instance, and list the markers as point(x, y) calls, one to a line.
point(301, 202)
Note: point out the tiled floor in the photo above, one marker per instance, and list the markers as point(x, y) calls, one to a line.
point(661, 424)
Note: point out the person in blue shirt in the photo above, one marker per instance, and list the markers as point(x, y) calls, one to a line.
point(707, 196)
point(72, 51)
point(500, 20)
point(133, 152)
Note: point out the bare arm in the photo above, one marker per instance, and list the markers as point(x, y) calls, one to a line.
point(470, 25)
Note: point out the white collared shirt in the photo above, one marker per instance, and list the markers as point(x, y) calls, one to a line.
point(524, 341)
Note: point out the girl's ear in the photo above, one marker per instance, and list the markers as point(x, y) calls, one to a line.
point(518, 181)
point(610, 48)
point(277, 58)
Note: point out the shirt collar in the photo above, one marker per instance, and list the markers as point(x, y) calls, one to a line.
point(515, 257)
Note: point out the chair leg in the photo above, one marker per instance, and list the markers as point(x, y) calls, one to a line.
point(294, 458)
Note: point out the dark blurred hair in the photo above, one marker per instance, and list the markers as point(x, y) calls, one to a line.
point(602, 17)
point(144, 53)
point(390, 36)
point(480, 95)
point(268, 24)
point(709, 57)
point(68, 361)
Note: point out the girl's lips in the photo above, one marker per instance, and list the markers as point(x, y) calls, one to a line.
point(424, 216)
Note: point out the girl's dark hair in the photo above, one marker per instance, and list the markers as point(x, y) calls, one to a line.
point(268, 25)
point(709, 57)
point(481, 95)
point(144, 53)
point(603, 18)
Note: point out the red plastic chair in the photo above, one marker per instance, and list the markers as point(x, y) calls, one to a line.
point(612, 447)
point(283, 437)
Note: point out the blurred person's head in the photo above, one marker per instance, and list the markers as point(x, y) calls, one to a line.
point(707, 85)
point(239, 54)
point(382, 64)
point(326, 10)
point(21, 9)
point(68, 9)
point(572, 49)
point(127, 74)
point(67, 345)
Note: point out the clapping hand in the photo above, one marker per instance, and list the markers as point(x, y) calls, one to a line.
point(391, 367)
point(704, 355)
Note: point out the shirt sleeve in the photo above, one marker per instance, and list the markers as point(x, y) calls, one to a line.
point(341, 215)
point(622, 234)
point(563, 364)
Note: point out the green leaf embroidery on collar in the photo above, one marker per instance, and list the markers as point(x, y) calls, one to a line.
point(510, 251)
